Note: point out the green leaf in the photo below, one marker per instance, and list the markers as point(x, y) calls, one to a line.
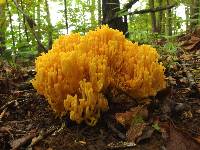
point(137, 119)
point(156, 126)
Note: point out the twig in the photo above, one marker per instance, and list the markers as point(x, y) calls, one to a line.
point(41, 136)
point(121, 145)
point(7, 104)
point(144, 11)
point(3, 113)
point(128, 5)
point(6, 130)
point(23, 140)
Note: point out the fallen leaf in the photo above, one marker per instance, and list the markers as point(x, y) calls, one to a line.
point(191, 44)
point(146, 134)
point(195, 38)
point(135, 131)
point(186, 57)
point(127, 117)
point(180, 141)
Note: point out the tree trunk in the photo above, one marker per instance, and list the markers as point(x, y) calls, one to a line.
point(99, 12)
point(187, 17)
point(12, 33)
point(39, 25)
point(11, 25)
point(109, 10)
point(169, 20)
point(160, 17)
point(194, 13)
point(50, 40)
point(153, 16)
point(2, 28)
point(164, 23)
point(24, 22)
point(92, 9)
point(66, 18)
point(174, 24)
point(19, 27)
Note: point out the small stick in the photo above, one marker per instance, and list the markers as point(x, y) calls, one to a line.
point(40, 137)
point(7, 104)
point(121, 145)
point(3, 113)
point(15, 144)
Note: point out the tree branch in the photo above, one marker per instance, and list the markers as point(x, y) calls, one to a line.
point(130, 4)
point(31, 24)
point(126, 7)
point(151, 10)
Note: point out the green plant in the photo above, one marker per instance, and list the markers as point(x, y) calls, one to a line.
point(156, 126)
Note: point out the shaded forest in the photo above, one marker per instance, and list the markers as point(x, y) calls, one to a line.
point(28, 28)
point(69, 81)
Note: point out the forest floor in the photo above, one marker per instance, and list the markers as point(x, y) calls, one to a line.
point(169, 121)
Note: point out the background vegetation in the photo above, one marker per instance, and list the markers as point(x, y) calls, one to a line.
point(28, 28)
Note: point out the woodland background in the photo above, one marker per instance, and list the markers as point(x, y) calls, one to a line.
point(28, 28)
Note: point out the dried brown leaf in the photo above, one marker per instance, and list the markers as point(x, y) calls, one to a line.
point(186, 57)
point(127, 117)
point(146, 134)
point(135, 131)
point(180, 141)
point(192, 46)
point(194, 39)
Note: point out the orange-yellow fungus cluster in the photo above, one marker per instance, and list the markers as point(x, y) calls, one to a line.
point(76, 72)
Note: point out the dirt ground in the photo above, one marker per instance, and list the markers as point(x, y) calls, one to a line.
point(172, 121)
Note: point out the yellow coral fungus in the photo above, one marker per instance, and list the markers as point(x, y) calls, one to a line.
point(76, 72)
